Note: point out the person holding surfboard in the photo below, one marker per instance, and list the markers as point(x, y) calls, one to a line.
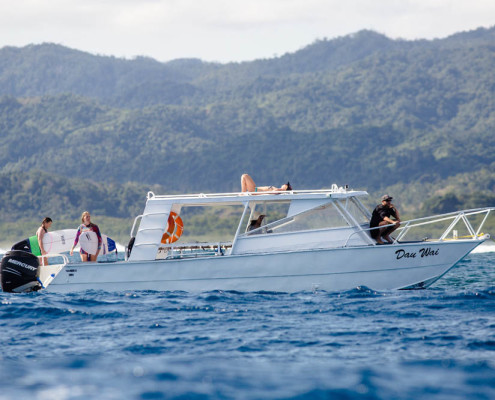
point(45, 225)
point(86, 231)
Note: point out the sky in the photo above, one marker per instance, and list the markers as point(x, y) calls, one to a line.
point(227, 30)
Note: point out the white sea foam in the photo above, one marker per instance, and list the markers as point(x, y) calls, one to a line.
point(487, 247)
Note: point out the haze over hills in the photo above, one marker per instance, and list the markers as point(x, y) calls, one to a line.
point(413, 117)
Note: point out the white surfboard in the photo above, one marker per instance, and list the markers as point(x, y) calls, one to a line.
point(89, 243)
point(59, 241)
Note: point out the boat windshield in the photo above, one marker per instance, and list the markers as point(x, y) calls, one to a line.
point(323, 217)
point(356, 210)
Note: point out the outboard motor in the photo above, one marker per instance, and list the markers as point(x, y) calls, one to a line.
point(24, 245)
point(19, 272)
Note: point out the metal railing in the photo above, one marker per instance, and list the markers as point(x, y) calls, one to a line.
point(333, 190)
point(53, 255)
point(194, 250)
point(456, 217)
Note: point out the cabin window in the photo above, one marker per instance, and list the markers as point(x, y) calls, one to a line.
point(323, 217)
point(269, 213)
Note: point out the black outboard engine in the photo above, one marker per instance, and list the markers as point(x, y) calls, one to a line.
point(24, 245)
point(19, 272)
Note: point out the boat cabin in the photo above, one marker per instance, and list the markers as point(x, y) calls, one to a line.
point(259, 223)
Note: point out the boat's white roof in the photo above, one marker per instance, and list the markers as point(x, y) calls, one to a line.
point(243, 197)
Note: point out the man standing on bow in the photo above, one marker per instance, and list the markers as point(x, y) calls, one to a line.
point(382, 216)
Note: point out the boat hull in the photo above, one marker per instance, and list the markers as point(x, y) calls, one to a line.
point(397, 266)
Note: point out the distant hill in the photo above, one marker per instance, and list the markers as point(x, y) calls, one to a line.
point(51, 69)
point(35, 194)
point(364, 110)
point(27, 197)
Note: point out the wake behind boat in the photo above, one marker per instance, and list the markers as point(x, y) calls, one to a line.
point(283, 241)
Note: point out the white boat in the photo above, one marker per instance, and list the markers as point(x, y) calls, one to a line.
point(308, 240)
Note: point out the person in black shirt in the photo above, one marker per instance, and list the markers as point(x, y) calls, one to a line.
point(382, 216)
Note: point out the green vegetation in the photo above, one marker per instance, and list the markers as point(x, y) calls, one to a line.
point(413, 118)
point(26, 198)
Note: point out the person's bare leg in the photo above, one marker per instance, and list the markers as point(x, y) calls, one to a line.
point(247, 183)
point(379, 237)
point(385, 233)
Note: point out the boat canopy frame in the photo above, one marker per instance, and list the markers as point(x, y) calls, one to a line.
point(158, 208)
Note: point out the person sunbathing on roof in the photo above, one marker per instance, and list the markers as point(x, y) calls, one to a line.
point(248, 185)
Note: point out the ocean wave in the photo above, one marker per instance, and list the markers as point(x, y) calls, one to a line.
point(487, 247)
point(159, 376)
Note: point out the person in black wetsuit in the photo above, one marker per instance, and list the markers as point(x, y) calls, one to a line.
point(382, 216)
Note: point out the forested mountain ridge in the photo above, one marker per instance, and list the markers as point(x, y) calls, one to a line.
point(379, 114)
point(50, 69)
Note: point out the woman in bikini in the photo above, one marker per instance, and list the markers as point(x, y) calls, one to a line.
point(248, 185)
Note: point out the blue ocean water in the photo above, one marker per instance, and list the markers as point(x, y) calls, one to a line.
point(437, 343)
